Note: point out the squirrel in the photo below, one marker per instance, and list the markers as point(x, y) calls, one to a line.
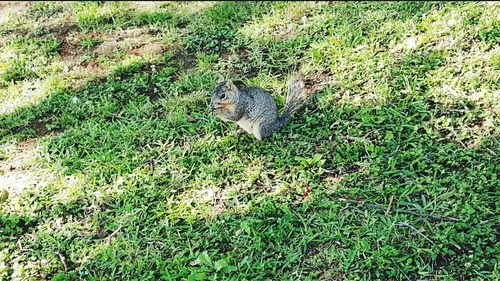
point(254, 108)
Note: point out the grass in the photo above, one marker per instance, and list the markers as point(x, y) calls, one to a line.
point(115, 168)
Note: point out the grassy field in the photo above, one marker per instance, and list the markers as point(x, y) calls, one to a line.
point(113, 168)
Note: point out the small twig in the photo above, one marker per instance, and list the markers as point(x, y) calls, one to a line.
point(375, 206)
point(390, 205)
point(111, 235)
point(114, 233)
point(456, 110)
point(416, 230)
point(62, 258)
point(402, 271)
point(491, 151)
point(456, 136)
point(328, 171)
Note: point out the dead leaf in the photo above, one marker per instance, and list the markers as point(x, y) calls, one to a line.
point(195, 262)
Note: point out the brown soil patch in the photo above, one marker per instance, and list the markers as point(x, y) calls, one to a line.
point(65, 49)
point(134, 41)
point(316, 82)
point(149, 48)
point(8, 8)
point(137, 41)
point(14, 176)
point(39, 126)
point(11, 7)
point(23, 155)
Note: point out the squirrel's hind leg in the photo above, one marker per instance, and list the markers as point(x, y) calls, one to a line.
point(264, 130)
point(267, 129)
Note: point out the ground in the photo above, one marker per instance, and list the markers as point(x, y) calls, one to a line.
point(112, 166)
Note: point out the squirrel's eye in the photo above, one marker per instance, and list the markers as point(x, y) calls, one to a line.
point(222, 96)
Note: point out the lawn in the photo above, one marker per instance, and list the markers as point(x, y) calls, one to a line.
point(113, 168)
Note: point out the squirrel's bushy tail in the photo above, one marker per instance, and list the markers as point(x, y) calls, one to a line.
point(296, 96)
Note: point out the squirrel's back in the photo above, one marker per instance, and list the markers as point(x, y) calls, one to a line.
point(260, 101)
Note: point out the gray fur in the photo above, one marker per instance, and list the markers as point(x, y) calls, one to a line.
point(254, 108)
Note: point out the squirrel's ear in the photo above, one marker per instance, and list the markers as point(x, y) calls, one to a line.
point(221, 79)
point(230, 85)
